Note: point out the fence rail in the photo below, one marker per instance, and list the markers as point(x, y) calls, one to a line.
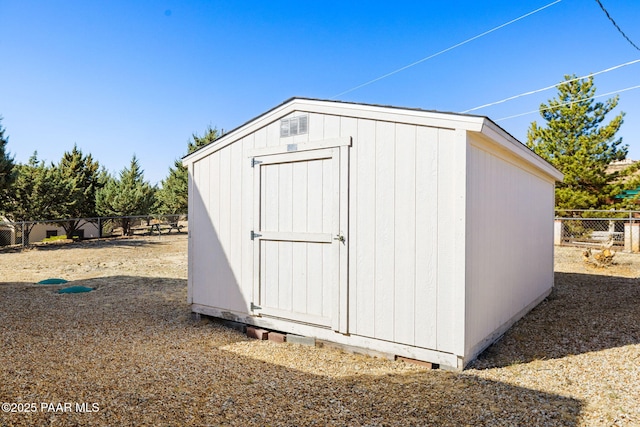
point(23, 233)
point(620, 229)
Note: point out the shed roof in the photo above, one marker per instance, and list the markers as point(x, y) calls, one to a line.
point(416, 116)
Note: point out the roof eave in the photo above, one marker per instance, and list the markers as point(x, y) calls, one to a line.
point(511, 144)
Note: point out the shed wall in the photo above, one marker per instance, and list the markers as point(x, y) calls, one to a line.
point(508, 266)
point(403, 224)
point(219, 211)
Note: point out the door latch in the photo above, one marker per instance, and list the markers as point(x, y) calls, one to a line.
point(339, 238)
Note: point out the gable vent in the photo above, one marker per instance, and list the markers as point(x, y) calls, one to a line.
point(298, 125)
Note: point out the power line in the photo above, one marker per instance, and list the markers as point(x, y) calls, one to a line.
point(616, 25)
point(549, 87)
point(444, 51)
point(615, 92)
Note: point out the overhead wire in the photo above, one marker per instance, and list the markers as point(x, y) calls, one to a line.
point(445, 50)
point(568, 81)
point(549, 87)
point(616, 25)
point(615, 92)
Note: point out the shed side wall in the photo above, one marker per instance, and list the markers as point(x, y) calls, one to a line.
point(509, 240)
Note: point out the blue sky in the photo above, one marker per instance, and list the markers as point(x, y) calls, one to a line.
point(120, 78)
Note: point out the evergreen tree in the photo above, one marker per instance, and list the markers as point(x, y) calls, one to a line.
point(173, 194)
point(7, 169)
point(39, 193)
point(174, 191)
point(577, 142)
point(210, 135)
point(83, 177)
point(128, 195)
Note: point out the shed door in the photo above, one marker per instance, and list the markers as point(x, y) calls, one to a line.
point(298, 238)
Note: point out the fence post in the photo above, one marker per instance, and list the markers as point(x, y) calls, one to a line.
point(557, 232)
point(632, 236)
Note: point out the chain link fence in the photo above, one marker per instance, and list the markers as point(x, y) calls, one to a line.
point(23, 233)
point(619, 229)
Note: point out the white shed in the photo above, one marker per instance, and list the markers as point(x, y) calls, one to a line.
point(415, 233)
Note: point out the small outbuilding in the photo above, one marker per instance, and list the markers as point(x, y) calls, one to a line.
point(414, 233)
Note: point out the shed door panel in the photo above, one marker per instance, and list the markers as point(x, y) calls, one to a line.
point(298, 223)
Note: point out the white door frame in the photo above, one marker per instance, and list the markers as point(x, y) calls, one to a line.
point(338, 150)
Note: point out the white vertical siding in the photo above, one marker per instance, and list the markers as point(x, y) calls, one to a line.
point(220, 212)
point(405, 235)
point(510, 240)
point(316, 127)
point(362, 245)
point(384, 261)
point(225, 214)
point(348, 129)
point(395, 198)
point(273, 134)
point(451, 230)
point(300, 223)
point(332, 126)
point(199, 220)
point(246, 214)
point(426, 254)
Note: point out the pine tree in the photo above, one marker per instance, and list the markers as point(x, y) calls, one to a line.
point(577, 142)
point(173, 194)
point(128, 195)
point(7, 169)
point(210, 135)
point(83, 176)
point(39, 193)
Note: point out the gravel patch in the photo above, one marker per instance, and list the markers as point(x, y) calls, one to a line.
point(128, 353)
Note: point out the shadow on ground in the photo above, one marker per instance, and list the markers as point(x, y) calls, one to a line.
point(131, 347)
point(117, 241)
point(584, 313)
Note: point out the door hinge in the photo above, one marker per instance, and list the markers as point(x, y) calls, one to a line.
point(255, 162)
point(254, 235)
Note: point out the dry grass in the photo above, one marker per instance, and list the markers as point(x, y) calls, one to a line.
point(131, 348)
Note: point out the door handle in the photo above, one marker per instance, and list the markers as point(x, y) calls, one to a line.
point(339, 238)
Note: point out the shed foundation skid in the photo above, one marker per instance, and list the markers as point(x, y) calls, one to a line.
point(382, 347)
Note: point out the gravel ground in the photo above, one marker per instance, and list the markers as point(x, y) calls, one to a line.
point(129, 353)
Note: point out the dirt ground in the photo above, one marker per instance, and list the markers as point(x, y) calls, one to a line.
point(151, 256)
point(129, 353)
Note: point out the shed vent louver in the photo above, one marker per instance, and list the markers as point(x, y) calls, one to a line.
point(294, 126)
